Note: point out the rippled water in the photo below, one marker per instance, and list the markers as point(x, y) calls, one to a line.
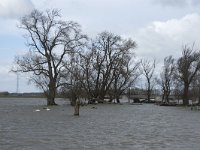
point(99, 127)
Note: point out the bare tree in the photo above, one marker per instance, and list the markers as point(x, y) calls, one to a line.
point(166, 77)
point(106, 59)
point(125, 77)
point(186, 69)
point(105, 49)
point(147, 69)
point(49, 40)
point(110, 57)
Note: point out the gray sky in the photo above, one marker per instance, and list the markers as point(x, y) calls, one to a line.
point(160, 27)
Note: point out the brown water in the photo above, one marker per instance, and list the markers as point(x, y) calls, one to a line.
point(99, 127)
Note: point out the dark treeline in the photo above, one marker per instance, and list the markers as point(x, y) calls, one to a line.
point(61, 59)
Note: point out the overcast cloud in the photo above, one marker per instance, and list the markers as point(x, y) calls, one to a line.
point(15, 8)
point(179, 3)
point(161, 39)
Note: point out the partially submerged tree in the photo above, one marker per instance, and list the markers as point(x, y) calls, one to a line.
point(147, 69)
point(125, 76)
point(50, 40)
point(108, 65)
point(186, 69)
point(166, 77)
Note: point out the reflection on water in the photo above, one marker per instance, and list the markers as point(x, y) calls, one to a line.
point(111, 126)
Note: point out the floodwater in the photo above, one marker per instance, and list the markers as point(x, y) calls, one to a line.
point(99, 127)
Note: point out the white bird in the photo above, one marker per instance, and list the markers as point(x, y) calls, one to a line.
point(37, 110)
point(47, 109)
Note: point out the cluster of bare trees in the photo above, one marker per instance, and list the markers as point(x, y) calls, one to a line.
point(112, 69)
point(181, 77)
point(61, 57)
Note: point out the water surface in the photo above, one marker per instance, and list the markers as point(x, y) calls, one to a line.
point(99, 127)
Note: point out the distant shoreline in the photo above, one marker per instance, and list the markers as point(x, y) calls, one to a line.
point(24, 95)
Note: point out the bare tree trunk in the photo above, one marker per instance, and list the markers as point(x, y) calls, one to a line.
point(51, 94)
point(167, 96)
point(185, 95)
point(51, 101)
point(76, 108)
point(163, 97)
point(149, 92)
point(117, 99)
